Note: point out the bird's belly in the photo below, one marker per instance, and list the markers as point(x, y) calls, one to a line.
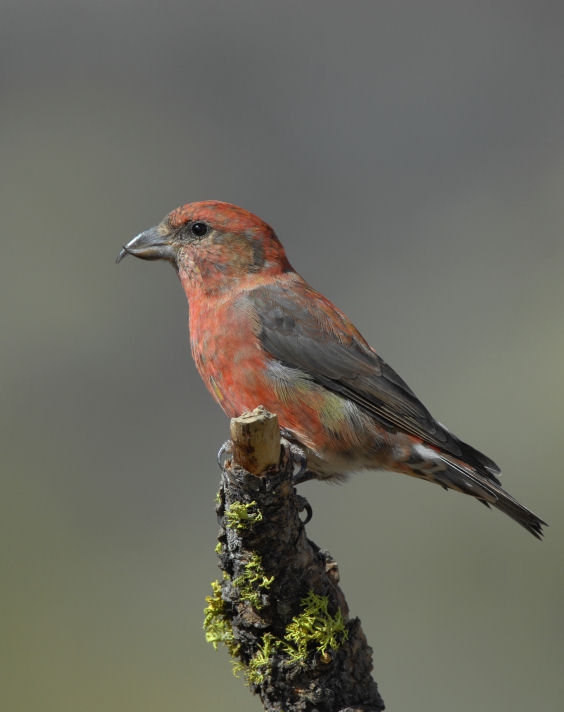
point(337, 436)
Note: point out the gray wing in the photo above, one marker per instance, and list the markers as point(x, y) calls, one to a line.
point(303, 330)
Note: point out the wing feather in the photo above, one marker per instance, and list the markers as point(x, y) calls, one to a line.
point(300, 328)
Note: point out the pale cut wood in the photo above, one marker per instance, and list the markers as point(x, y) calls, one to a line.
point(256, 440)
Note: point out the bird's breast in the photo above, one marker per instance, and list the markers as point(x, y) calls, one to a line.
point(240, 375)
point(226, 352)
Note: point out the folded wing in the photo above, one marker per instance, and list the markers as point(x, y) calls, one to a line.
point(303, 330)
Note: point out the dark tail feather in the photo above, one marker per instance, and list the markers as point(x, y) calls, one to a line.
point(466, 479)
point(471, 482)
point(510, 506)
point(480, 462)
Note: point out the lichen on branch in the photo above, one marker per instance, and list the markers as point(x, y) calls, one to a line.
point(279, 610)
point(240, 516)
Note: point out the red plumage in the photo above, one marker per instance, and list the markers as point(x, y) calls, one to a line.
point(261, 335)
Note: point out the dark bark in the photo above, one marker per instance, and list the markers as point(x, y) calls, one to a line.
point(299, 652)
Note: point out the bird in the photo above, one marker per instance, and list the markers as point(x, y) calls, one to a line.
point(260, 334)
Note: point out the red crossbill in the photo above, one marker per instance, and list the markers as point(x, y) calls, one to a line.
point(260, 334)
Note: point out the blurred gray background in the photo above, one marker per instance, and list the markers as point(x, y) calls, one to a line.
point(411, 158)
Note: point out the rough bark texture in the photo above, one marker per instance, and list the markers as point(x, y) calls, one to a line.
point(279, 608)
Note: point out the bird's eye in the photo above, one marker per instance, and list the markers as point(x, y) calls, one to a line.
point(199, 229)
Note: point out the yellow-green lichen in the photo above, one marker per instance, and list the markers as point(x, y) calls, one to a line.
point(258, 665)
point(252, 582)
point(313, 630)
point(217, 626)
point(314, 626)
point(239, 516)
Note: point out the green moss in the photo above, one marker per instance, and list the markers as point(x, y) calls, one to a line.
point(253, 582)
point(218, 547)
point(314, 626)
point(239, 517)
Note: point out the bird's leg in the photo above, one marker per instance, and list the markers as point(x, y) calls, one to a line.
point(224, 453)
point(304, 476)
point(299, 459)
point(300, 471)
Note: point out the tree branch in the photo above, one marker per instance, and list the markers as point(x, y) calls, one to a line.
point(279, 609)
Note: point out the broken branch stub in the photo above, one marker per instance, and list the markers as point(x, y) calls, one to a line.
point(256, 441)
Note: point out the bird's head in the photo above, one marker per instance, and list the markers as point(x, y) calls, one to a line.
point(212, 245)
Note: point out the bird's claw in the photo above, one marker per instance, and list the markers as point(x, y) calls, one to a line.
point(305, 506)
point(297, 457)
point(224, 453)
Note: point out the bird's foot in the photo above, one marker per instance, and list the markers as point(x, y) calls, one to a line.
point(305, 506)
point(224, 454)
point(298, 459)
